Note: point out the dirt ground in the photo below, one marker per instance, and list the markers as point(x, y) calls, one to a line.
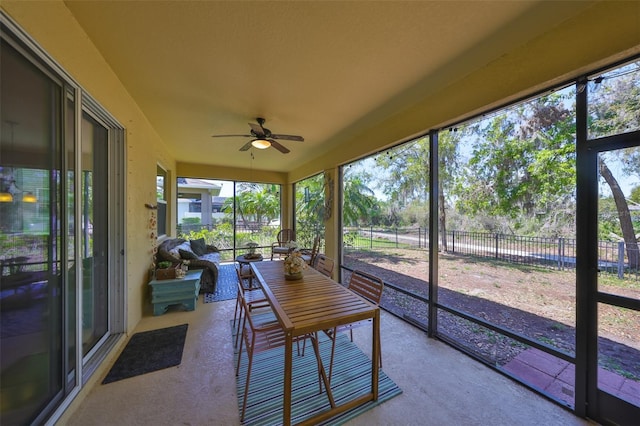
point(532, 301)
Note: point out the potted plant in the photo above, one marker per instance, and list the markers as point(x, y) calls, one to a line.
point(165, 271)
point(164, 264)
point(251, 253)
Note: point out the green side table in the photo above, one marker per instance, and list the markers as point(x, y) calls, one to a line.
point(184, 291)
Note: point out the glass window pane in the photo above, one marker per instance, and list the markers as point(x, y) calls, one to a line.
point(508, 211)
point(94, 233)
point(31, 315)
point(161, 197)
point(69, 142)
point(614, 102)
point(229, 214)
point(619, 222)
point(385, 215)
point(256, 206)
point(310, 208)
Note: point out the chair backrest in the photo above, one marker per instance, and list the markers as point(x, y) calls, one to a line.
point(324, 265)
point(245, 306)
point(245, 275)
point(314, 250)
point(285, 235)
point(241, 278)
point(366, 285)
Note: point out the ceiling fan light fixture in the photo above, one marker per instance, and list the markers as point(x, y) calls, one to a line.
point(261, 143)
point(28, 197)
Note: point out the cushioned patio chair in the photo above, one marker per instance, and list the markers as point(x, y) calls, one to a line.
point(280, 247)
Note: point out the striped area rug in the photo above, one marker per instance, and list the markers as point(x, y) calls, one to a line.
point(351, 378)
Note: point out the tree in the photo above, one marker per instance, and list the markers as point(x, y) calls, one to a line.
point(407, 172)
point(522, 161)
point(359, 199)
point(614, 108)
point(259, 202)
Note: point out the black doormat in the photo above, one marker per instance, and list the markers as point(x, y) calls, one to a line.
point(149, 351)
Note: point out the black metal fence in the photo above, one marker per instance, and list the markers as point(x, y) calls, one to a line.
point(559, 253)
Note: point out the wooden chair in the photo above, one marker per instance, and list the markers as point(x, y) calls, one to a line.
point(254, 298)
point(280, 247)
point(368, 286)
point(259, 337)
point(309, 256)
point(324, 265)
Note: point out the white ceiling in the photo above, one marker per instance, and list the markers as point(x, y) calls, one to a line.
point(323, 70)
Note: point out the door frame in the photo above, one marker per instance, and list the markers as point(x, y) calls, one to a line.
point(590, 401)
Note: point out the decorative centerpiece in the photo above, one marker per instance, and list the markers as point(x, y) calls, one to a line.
point(294, 264)
point(251, 254)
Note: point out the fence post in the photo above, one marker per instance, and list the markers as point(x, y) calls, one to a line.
point(371, 237)
point(419, 241)
point(453, 241)
point(560, 254)
point(396, 237)
point(621, 259)
point(496, 245)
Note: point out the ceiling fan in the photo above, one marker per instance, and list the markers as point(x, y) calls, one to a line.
point(263, 138)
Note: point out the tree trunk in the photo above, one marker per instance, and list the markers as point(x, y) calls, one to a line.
point(633, 255)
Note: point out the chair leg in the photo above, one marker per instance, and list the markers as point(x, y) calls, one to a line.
point(239, 355)
point(237, 317)
point(380, 350)
point(333, 351)
point(246, 385)
point(304, 345)
point(241, 323)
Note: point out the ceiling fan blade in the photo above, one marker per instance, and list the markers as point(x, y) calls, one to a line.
point(257, 129)
point(230, 136)
point(289, 137)
point(281, 148)
point(246, 146)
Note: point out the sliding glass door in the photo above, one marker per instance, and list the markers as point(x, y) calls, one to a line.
point(32, 324)
point(94, 233)
point(61, 233)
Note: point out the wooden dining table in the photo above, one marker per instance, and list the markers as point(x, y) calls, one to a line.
point(312, 304)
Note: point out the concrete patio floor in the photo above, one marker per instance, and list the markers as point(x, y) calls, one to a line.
point(441, 386)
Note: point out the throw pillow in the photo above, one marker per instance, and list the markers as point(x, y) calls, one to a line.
point(186, 254)
point(199, 247)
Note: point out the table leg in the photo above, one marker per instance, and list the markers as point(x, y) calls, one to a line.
point(288, 362)
point(323, 375)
